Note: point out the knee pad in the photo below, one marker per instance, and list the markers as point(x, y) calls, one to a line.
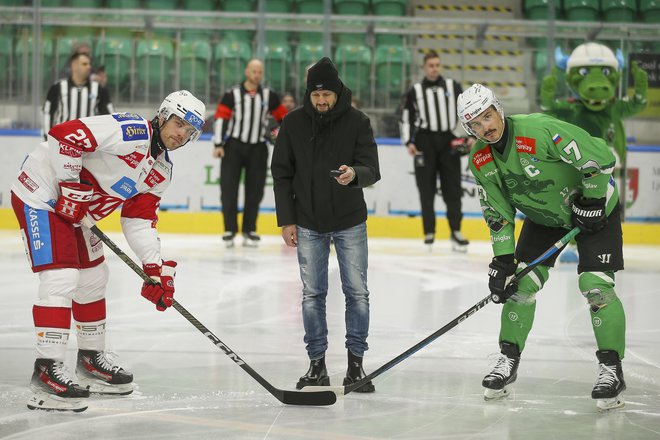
point(57, 286)
point(530, 284)
point(92, 284)
point(597, 288)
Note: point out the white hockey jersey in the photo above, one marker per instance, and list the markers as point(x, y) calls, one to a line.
point(111, 152)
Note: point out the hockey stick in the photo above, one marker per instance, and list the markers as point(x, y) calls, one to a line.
point(316, 398)
point(462, 317)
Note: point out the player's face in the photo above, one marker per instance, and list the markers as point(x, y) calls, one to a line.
point(432, 69)
point(175, 133)
point(488, 126)
point(323, 100)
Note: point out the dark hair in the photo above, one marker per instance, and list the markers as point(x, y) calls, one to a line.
point(429, 55)
point(77, 55)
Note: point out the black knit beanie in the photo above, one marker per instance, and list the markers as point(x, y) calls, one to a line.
point(324, 76)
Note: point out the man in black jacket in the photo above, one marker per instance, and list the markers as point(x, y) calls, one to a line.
point(324, 155)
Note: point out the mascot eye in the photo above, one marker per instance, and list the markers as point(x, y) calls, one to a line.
point(583, 71)
point(606, 71)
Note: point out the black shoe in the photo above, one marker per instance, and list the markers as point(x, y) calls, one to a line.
point(355, 373)
point(228, 239)
point(317, 375)
point(506, 368)
point(250, 239)
point(609, 382)
point(429, 238)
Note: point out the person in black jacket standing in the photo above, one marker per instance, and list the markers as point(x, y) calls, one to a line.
point(324, 155)
point(427, 123)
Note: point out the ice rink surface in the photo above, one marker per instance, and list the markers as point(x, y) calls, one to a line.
point(250, 298)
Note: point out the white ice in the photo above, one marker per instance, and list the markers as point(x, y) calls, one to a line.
point(250, 298)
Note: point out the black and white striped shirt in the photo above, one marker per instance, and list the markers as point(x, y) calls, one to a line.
point(243, 115)
point(430, 106)
point(66, 101)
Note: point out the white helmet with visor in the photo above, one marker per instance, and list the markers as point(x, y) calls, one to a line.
point(184, 105)
point(474, 101)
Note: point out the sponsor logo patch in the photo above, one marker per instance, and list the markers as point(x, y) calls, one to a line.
point(125, 187)
point(134, 132)
point(556, 138)
point(121, 117)
point(525, 145)
point(30, 184)
point(482, 157)
point(70, 150)
point(194, 120)
point(133, 159)
point(154, 178)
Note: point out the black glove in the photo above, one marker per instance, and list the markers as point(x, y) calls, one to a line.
point(460, 146)
point(589, 214)
point(500, 271)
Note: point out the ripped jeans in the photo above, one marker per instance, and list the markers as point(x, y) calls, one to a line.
point(313, 252)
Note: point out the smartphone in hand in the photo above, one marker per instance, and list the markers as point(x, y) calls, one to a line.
point(336, 173)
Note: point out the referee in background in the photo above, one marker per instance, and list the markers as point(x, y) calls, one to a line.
point(427, 123)
point(239, 136)
point(76, 96)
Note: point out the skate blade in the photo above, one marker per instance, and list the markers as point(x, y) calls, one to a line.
point(605, 405)
point(49, 402)
point(460, 248)
point(229, 244)
point(100, 387)
point(496, 394)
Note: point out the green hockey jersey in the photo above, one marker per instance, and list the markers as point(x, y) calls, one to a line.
point(545, 164)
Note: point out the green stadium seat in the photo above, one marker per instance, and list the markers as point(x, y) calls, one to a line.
point(116, 54)
point(310, 6)
point(581, 10)
point(354, 64)
point(5, 57)
point(125, 4)
point(279, 6)
point(351, 7)
point(537, 42)
point(23, 51)
point(392, 66)
point(352, 38)
point(238, 5)
point(162, 4)
point(619, 10)
point(540, 63)
point(277, 59)
point(537, 9)
point(85, 3)
point(194, 66)
point(231, 57)
point(200, 5)
point(306, 55)
point(51, 3)
point(389, 7)
point(649, 10)
point(241, 35)
point(154, 62)
point(389, 40)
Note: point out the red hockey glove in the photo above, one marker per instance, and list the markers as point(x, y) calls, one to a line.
point(162, 293)
point(500, 272)
point(73, 203)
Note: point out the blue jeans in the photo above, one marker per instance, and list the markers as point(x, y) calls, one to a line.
point(313, 251)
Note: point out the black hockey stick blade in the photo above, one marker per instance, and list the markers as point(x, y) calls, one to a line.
point(313, 398)
point(343, 390)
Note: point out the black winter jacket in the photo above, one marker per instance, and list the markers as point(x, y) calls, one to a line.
point(308, 146)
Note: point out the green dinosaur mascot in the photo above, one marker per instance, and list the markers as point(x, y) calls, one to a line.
point(592, 75)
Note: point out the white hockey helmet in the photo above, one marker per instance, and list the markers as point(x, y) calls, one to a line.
point(183, 104)
point(592, 54)
point(475, 100)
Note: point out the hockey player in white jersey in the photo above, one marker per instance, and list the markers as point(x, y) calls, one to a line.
point(91, 166)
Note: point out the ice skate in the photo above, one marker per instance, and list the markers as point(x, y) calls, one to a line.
point(610, 385)
point(251, 239)
point(355, 373)
point(504, 374)
point(458, 242)
point(429, 239)
point(228, 239)
point(53, 388)
point(98, 371)
point(317, 375)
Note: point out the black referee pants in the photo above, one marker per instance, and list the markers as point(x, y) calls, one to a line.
point(438, 159)
point(254, 159)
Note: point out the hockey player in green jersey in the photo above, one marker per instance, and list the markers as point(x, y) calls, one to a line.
point(558, 176)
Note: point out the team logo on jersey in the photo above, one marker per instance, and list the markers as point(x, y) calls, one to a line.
point(194, 120)
point(125, 187)
point(556, 138)
point(525, 145)
point(30, 184)
point(121, 117)
point(70, 150)
point(482, 157)
point(153, 178)
point(133, 159)
point(135, 132)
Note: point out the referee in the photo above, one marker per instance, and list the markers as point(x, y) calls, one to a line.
point(239, 130)
point(76, 96)
point(427, 123)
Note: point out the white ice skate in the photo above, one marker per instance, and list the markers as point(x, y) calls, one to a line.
point(458, 242)
point(228, 239)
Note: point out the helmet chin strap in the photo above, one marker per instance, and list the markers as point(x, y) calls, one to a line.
point(157, 145)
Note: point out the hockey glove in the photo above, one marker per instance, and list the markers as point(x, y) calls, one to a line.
point(73, 203)
point(162, 292)
point(589, 214)
point(460, 146)
point(500, 272)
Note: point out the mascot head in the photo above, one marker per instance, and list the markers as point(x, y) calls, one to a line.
point(592, 73)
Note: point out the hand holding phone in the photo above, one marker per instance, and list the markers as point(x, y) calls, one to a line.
point(336, 173)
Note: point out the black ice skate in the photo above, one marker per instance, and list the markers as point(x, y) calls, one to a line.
point(355, 373)
point(317, 375)
point(609, 383)
point(251, 239)
point(429, 239)
point(53, 389)
point(228, 239)
point(98, 371)
point(505, 372)
point(458, 242)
